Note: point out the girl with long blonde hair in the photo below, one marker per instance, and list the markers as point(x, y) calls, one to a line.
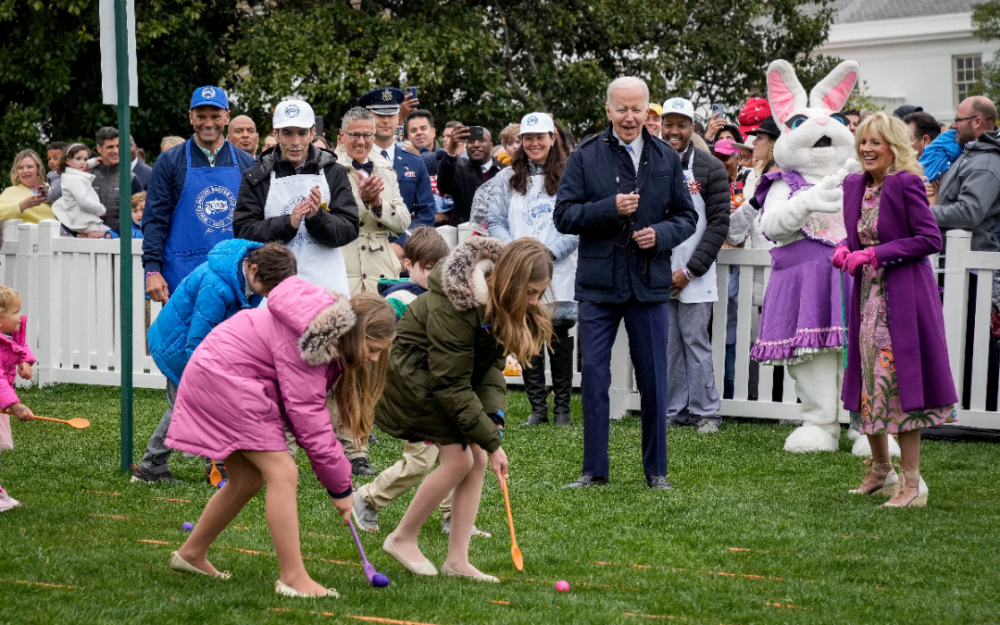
point(446, 384)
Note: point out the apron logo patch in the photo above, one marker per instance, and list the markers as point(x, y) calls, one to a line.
point(302, 235)
point(214, 207)
point(539, 213)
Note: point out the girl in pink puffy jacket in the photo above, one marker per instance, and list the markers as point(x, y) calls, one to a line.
point(15, 359)
point(265, 371)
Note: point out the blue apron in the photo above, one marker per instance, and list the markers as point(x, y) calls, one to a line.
point(202, 218)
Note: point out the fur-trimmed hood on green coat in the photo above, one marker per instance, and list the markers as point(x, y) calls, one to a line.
point(446, 367)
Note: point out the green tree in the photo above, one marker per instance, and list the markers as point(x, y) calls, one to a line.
point(50, 68)
point(491, 61)
point(986, 25)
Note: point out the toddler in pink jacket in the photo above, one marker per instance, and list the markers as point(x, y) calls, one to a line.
point(259, 373)
point(15, 359)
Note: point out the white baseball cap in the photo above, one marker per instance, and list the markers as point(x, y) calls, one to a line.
point(293, 114)
point(536, 122)
point(680, 106)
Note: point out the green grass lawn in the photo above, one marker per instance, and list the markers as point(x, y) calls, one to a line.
point(750, 534)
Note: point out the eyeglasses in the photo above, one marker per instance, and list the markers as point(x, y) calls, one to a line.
point(965, 119)
point(360, 135)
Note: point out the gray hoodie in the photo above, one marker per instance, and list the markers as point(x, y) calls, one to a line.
point(969, 195)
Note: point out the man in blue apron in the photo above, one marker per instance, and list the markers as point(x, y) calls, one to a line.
point(191, 196)
point(411, 173)
point(189, 208)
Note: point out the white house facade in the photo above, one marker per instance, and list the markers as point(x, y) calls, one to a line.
point(920, 52)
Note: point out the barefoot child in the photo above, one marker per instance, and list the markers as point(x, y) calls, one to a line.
point(79, 209)
point(235, 276)
point(15, 359)
point(446, 383)
point(268, 370)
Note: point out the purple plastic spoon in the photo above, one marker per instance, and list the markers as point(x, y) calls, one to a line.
point(374, 577)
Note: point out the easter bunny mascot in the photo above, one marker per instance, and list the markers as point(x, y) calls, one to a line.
point(801, 323)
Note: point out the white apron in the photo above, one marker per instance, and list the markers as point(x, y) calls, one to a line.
point(323, 266)
point(530, 215)
point(704, 288)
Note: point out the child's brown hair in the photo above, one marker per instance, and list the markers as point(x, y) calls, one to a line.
point(362, 381)
point(70, 152)
point(275, 262)
point(8, 297)
point(425, 246)
point(138, 199)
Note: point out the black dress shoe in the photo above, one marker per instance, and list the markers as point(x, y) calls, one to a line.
point(658, 482)
point(587, 480)
point(562, 419)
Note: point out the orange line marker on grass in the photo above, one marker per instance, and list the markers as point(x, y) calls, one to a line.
point(666, 616)
point(778, 605)
point(370, 619)
point(499, 602)
point(43, 584)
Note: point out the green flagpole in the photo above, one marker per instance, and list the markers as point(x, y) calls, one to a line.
point(125, 226)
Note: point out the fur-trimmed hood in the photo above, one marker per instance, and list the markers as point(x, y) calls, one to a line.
point(317, 315)
point(463, 276)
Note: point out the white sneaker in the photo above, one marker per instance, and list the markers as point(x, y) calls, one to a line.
point(6, 501)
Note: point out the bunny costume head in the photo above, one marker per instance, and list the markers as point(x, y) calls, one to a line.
point(815, 140)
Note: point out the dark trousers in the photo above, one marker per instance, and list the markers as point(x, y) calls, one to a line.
point(646, 325)
point(561, 368)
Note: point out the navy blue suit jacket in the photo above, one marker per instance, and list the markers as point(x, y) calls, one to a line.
point(415, 187)
point(611, 267)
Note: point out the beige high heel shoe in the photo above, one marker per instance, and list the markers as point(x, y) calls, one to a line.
point(922, 490)
point(880, 469)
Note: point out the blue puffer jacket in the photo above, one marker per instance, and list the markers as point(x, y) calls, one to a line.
point(209, 295)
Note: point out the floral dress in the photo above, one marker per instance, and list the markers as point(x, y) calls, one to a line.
point(881, 408)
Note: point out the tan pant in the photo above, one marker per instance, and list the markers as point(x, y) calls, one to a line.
point(418, 460)
point(343, 432)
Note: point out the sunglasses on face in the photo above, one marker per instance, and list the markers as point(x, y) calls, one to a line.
point(800, 119)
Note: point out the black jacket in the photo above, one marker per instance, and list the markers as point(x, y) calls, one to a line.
point(611, 267)
point(460, 179)
point(711, 175)
point(105, 183)
point(335, 227)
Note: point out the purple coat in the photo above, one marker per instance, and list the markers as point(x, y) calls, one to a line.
point(909, 233)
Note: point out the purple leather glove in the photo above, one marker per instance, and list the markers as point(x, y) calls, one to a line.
point(840, 257)
point(859, 259)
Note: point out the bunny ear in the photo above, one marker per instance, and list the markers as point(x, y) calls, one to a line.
point(832, 92)
point(784, 91)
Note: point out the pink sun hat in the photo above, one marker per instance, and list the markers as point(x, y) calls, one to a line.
point(725, 146)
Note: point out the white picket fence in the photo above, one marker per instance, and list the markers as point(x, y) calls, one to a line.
point(71, 293)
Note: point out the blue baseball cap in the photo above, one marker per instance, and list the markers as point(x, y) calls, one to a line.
point(382, 101)
point(210, 96)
